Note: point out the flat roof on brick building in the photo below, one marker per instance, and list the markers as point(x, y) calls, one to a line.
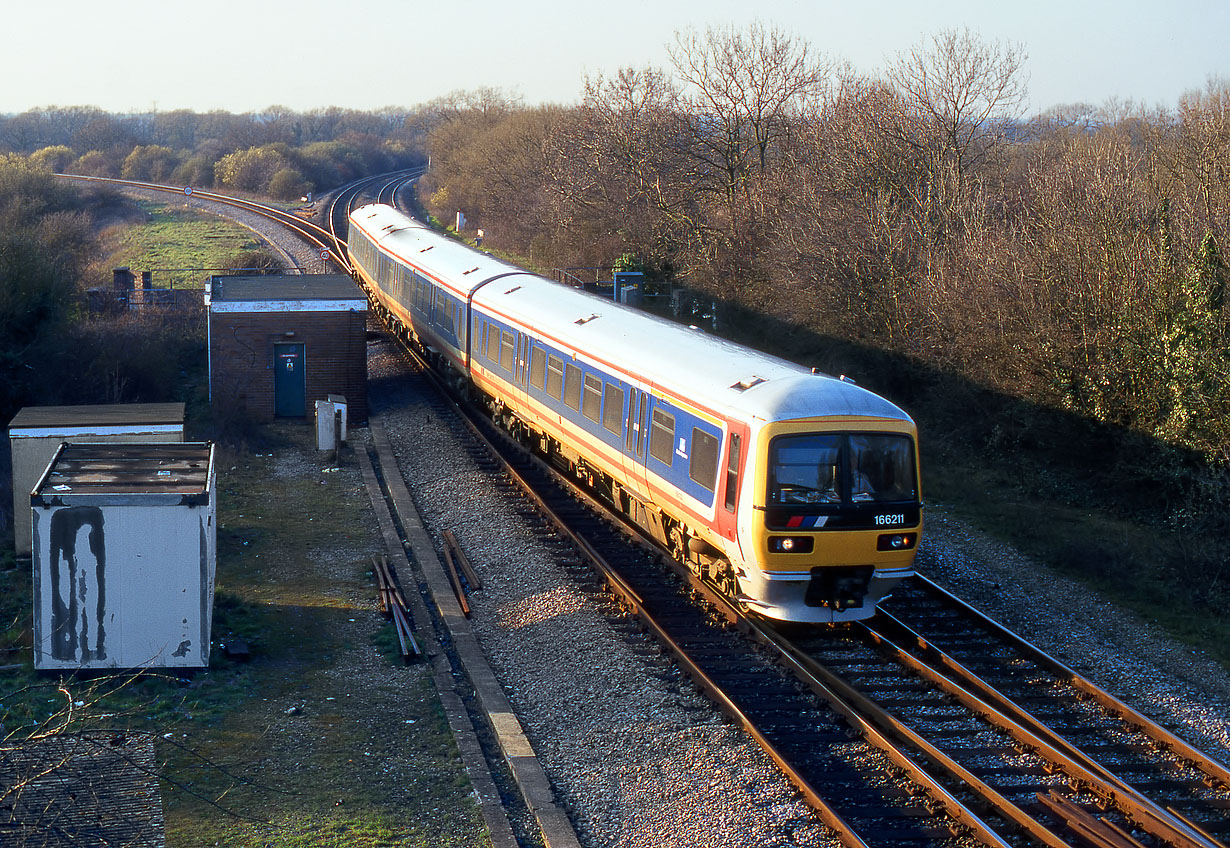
point(284, 292)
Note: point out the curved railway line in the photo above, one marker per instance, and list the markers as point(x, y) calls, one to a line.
point(928, 725)
point(384, 188)
point(952, 731)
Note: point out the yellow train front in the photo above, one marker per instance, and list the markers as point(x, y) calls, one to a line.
point(833, 520)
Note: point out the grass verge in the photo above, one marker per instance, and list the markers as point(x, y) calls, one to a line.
point(179, 237)
point(321, 737)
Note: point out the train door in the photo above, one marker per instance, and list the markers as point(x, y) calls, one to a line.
point(634, 439)
point(523, 360)
point(732, 481)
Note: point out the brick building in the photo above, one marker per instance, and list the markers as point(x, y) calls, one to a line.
point(278, 343)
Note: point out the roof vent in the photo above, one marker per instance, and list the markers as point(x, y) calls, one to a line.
point(744, 385)
point(586, 320)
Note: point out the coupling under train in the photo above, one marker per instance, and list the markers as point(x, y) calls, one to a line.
point(794, 492)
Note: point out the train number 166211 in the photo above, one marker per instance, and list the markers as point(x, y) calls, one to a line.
point(885, 520)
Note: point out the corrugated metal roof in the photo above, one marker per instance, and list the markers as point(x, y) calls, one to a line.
point(285, 287)
point(113, 414)
point(128, 469)
point(97, 788)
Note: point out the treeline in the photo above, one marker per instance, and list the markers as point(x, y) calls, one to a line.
point(1067, 267)
point(278, 152)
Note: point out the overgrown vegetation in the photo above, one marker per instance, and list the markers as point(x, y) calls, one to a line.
point(1047, 295)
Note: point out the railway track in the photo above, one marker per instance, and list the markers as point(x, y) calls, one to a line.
point(1043, 702)
point(383, 188)
point(876, 727)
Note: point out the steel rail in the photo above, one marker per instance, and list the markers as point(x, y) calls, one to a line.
point(985, 702)
point(1217, 772)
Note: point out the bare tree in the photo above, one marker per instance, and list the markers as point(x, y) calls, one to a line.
point(741, 93)
point(965, 92)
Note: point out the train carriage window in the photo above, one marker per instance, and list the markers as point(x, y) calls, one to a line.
point(613, 410)
point(732, 472)
point(662, 436)
point(538, 368)
point(634, 403)
point(507, 351)
point(592, 406)
point(572, 386)
point(703, 464)
point(555, 377)
point(493, 343)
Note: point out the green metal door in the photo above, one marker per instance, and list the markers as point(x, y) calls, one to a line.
point(289, 381)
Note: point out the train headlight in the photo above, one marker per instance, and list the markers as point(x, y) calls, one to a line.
point(791, 544)
point(896, 541)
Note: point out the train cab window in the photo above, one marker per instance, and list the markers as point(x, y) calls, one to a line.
point(591, 407)
point(732, 472)
point(572, 386)
point(662, 436)
point(538, 368)
point(703, 464)
point(508, 349)
point(613, 409)
point(555, 377)
point(835, 468)
point(882, 468)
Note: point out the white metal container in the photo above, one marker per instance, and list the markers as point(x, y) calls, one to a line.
point(37, 431)
point(125, 541)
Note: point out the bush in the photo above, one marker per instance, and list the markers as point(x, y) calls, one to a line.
point(288, 184)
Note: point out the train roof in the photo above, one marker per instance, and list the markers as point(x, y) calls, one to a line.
point(682, 360)
point(450, 262)
point(685, 361)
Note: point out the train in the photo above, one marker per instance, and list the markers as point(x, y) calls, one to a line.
point(794, 492)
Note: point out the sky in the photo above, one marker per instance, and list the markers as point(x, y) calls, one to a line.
point(246, 55)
